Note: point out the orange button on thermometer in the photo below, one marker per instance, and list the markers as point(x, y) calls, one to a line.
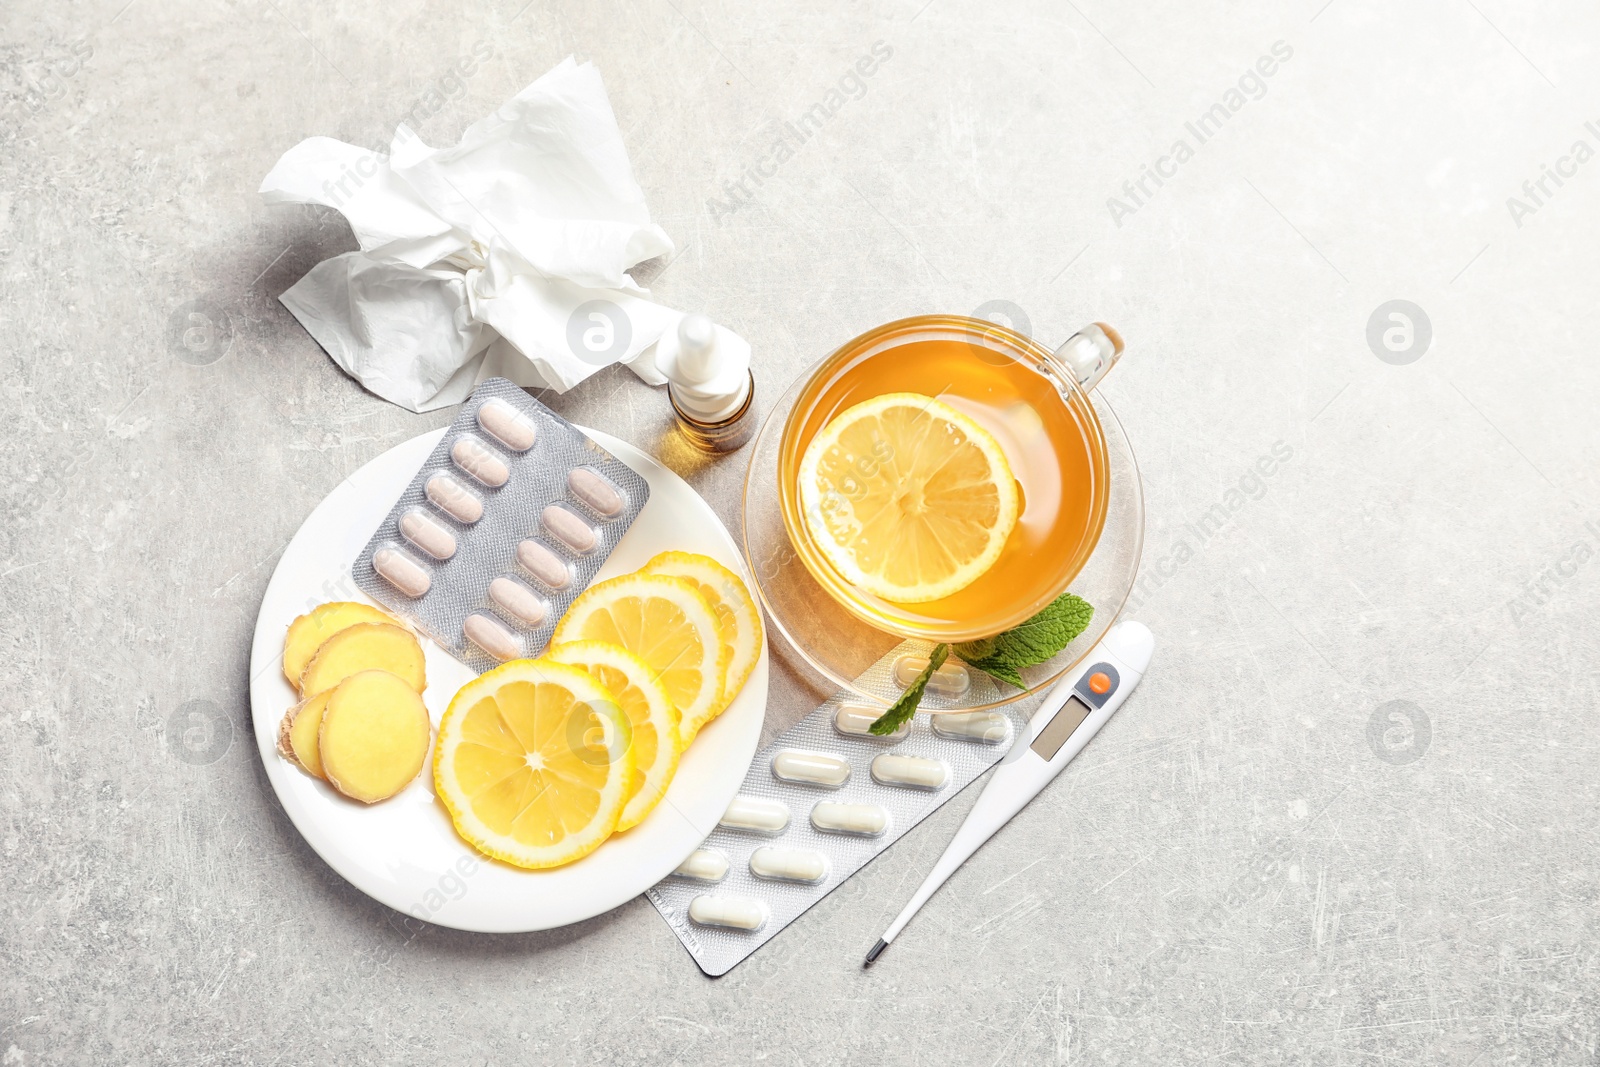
point(1100, 682)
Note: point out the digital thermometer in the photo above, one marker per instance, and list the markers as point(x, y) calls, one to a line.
point(1073, 713)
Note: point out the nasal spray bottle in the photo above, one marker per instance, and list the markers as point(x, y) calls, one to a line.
point(709, 382)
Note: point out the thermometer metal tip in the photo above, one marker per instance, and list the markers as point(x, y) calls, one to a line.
point(1072, 714)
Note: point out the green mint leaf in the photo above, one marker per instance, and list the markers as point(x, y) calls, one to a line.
point(999, 669)
point(901, 710)
point(1034, 642)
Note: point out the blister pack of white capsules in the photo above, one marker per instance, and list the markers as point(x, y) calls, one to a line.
point(509, 519)
point(826, 797)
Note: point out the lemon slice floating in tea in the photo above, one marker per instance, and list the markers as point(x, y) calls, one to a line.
point(533, 762)
point(908, 498)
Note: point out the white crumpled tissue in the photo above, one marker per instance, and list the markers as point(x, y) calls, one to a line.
point(504, 254)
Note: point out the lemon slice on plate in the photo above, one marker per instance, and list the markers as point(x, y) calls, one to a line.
point(533, 763)
point(907, 497)
point(650, 714)
point(668, 624)
point(726, 592)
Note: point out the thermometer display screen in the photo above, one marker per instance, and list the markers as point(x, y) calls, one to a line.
point(1059, 728)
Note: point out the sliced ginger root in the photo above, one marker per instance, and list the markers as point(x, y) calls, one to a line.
point(297, 734)
point(374, 736)
point(308, 632)
point(365, 646)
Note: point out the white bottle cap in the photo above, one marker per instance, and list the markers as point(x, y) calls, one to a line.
point(707, 369)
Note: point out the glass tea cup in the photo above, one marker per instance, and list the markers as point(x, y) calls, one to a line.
point(1035, 403)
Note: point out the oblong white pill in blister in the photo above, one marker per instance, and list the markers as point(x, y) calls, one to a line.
point(518, 601)
point(543, 564)
point(789, 864)
point(918, 772)
point(418, 528)
point(811, 768)
point(703, 865)
point(452, 498)
point(401, 571)
point(506, 424)
point(986, 726)
point(570, 530)
point(758, 814)
point(478, 461)
point(833, 817)
point(855, 720)
point(950, 680)
point(596, 490)
point(740, 913)
point(490, 636)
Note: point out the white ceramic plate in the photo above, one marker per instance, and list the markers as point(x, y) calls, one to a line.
point(404, 851)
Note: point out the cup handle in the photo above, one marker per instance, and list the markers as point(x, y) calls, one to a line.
point(1090, 353)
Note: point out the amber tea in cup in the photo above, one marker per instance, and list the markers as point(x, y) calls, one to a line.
point(1030, 401)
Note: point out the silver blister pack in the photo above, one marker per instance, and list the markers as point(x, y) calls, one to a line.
point(508, 520)
point(824, 799)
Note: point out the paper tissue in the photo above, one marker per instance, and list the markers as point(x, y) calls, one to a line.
point(503, 255)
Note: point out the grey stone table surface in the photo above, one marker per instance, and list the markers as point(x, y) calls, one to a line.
point(1350, 815)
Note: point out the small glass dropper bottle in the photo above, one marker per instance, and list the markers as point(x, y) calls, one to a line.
point(709, 382)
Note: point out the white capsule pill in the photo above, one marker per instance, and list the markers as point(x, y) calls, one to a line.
point(401, 571)
point(452, 498)
point(758, 814)
point(596, 490)
point(479, 462)
point(919, 772)
point(811, 768)
point(856, 720)
point(832, 817)
point(490, 636)
point(950, 680)
point(703, 865)
point(544, 565)
point(518, 601)
point(986, 726)
point(789, 864)
point(740, 913)
point(421, 530)
point(570, 530)
point(506, 424)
